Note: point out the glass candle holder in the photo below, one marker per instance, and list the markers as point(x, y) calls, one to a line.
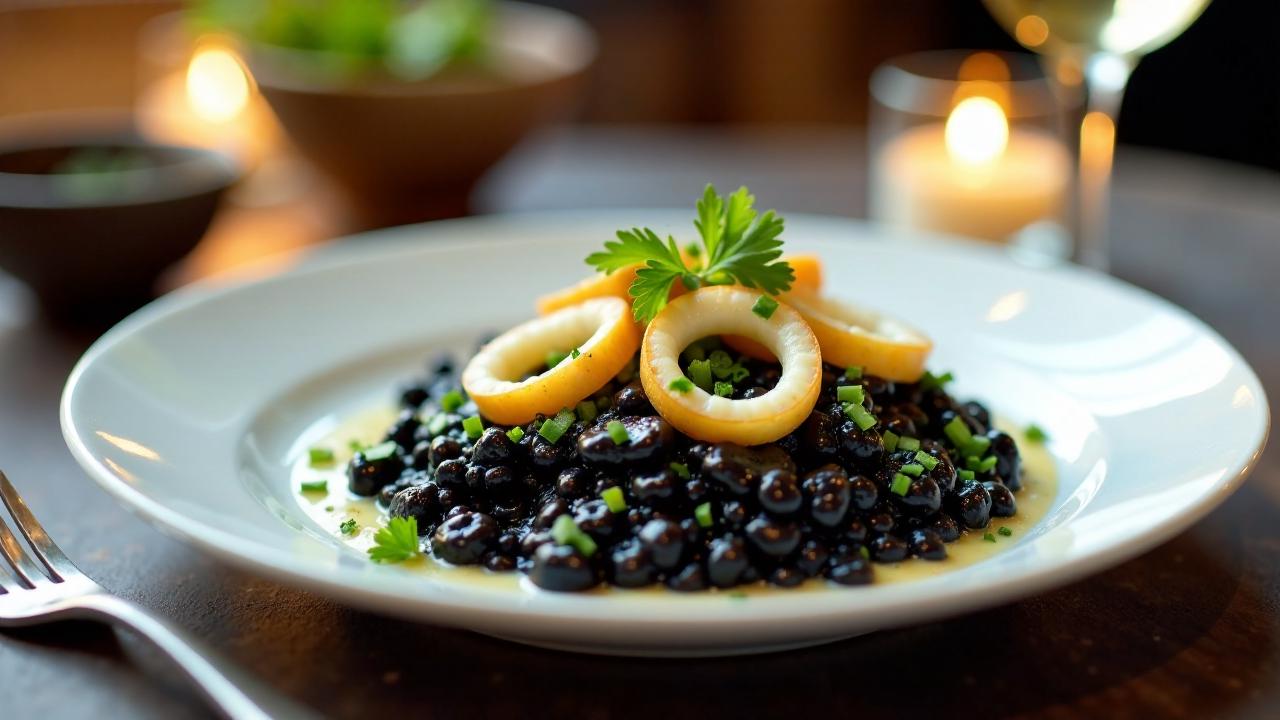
point(973, 143)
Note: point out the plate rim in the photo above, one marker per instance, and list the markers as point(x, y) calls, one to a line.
point(374, 246)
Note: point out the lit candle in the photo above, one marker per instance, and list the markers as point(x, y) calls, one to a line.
point(972, 175)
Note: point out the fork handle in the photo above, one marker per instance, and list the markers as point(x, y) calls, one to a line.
point(233, 693)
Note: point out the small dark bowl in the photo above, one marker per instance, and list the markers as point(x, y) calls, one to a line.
point(91, 244)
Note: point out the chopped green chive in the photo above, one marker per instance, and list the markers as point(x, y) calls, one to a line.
point(349, 526)
point(724, 389)
point(890, 440)
point(617, 432)
point(853, 372)
point(515, 434)
point(928, 461)
point(566, 532)
point(860, 417)
point(680, 385)
point(964, 474)
point(977, 446)
point(988, 537)
point(553, 429)
point(320, 456)
point(437, 424)
point(564, 528)
point(737, 595)
point(702, 514)
point(912, 469)
point(765, 307)
point(1005, 531)
point(700, 373)
point(473, 426)
point(958, 432)
point(587, 411)
point(328, 508)
point(355, 446)
point(935, 382)
point(320, 485)
point(1036, 434)
point(909, 444)
point(901, 483)
point(851, 394)
point(737, 373)
point(554, 358)
point(614, 500)
point(381, 451)
point(984, 465)
point(451, 401)
point(680, 469)
point(575, 354)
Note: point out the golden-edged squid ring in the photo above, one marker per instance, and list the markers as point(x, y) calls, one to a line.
point(615, 284)
point(851, 335)
point(699, 414)
point(601, 329)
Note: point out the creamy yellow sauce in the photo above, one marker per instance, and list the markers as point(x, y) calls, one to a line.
point(329, 509)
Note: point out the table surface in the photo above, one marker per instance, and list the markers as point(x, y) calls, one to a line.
point(1190, 629)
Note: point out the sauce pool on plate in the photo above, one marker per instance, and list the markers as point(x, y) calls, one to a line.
point(334, 506)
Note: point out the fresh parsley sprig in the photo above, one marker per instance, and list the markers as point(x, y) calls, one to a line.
point(738, 246)
point(396, 542)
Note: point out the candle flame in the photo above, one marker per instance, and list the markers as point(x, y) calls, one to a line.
point(977, 131)
point(217, 85)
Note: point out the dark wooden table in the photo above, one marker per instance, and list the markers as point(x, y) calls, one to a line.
point(1191, 629)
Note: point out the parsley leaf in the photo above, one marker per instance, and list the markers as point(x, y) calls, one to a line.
point(739, 246)
point(396, 542)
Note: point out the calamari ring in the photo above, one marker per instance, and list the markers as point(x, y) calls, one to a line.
point(615, 284)
point(601, 329)
point(618, 284)
point(808, 276)
point(850, 335)
point(707, 417)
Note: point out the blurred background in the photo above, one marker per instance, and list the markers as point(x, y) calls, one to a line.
point(621, 110)
point(1215, 91)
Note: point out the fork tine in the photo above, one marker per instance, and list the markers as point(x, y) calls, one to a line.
point(26, 571)
point(59, 566)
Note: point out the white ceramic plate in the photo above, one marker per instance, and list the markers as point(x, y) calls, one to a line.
point(190, 410)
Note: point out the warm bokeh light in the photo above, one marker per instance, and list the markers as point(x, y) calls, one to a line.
point(984, 66)
point(1097, 142)
point(985, 75)
point(1067, 70)
point(1031, 31)
point(977, 131)
point(217, 85)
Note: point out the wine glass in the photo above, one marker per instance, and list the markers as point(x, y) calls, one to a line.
point(1095, 42)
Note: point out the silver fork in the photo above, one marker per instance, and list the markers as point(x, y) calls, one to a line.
point(59, 591)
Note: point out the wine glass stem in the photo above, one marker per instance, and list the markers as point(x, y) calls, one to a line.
point(1107, 75)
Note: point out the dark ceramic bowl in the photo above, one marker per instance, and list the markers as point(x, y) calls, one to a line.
point(90, 218)
point(410, 151)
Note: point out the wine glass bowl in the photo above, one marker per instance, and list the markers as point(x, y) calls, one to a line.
point(1097, 43)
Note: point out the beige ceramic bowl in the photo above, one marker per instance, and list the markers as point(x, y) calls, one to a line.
point(407, 151)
